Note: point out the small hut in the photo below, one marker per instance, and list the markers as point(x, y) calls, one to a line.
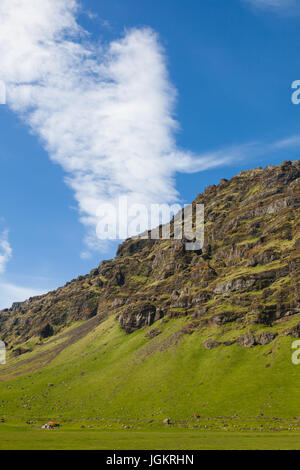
point(50, 425)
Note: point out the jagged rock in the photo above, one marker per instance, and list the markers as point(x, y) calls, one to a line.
point(174, 295)
point(139, 316)
point(265, 337)
point(266, 314)
point(235, 285)
point(190, 327)
point(46, 331)
point(183, 301)
point(167, 271)
point(253, 282)
point(294, 332)
point(159, 259)
point(19, 351)
point(247, 340)
point(98, 282)
point(94, 272)
point(227, 317)
point(85, 306)
point(201, 298)
point(153, 333)
point(211, 344)
point(118, 278)
point(200, 312)
point(250, 263)
point(267, 256)
point(118, 302)
point(132, 246)
point(16, 306)
point(223, 183)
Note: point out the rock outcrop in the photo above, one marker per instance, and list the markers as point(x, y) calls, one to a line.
point(248, 272)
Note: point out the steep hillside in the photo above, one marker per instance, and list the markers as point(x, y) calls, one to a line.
point(160, 331)
point(248, 271)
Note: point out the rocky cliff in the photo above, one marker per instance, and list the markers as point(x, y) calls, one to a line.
point(248, 272)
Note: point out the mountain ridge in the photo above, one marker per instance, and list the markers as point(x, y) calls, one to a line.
point(247, 272)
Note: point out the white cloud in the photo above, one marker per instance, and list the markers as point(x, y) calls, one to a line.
point(288, 142)
point(104, 113)
point(10, 293)
point(275, 5)
point(5, 251)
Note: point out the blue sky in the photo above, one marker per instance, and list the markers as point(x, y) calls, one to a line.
point(130, 97)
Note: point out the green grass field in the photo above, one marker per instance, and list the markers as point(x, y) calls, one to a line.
point(12, 438)
point(121, 388)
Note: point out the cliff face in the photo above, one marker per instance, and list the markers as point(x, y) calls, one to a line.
point(247, 273)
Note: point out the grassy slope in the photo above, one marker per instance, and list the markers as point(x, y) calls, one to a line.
point(109, 379)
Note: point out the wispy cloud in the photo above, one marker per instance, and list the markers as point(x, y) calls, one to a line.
point(5, 251)
point(10, 293)
point(288, 142)
point(104, 113)
point(283, 6)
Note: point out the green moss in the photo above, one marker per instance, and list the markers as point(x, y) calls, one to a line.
point(111, 375)
point(248, 241)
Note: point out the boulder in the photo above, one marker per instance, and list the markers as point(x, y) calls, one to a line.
point(265, 337)
point(247, 340)
point(294, 332)
point(211, 344)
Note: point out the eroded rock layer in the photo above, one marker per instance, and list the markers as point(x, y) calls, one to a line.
point(247, 273)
